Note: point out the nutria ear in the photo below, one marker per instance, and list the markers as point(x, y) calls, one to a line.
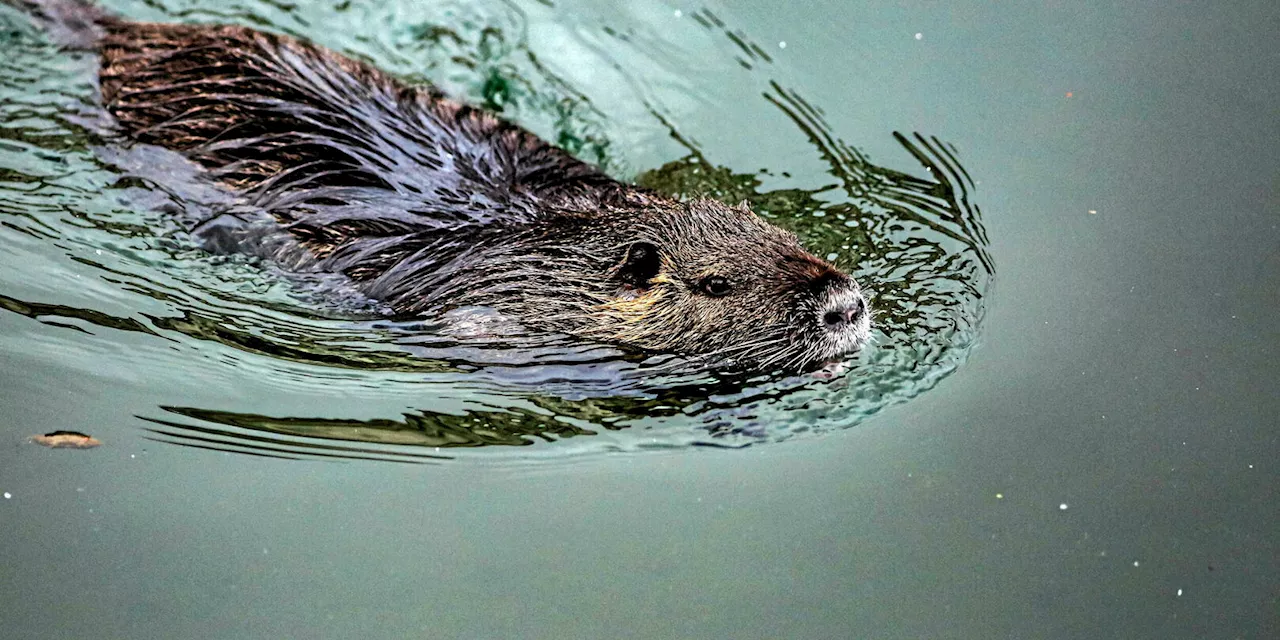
point(640, 266)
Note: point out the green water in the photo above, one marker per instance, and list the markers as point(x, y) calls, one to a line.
point(1065, 428)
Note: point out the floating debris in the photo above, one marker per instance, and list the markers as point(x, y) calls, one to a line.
point(67, 440)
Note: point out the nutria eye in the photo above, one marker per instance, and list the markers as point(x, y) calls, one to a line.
point(715, 286)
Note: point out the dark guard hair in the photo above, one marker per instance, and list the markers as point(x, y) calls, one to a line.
point(428, 204)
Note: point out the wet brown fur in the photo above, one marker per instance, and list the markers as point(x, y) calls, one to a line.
point(429, 204)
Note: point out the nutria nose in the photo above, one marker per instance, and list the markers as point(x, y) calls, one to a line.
point(844, 314)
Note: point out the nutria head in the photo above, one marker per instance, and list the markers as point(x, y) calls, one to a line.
point(704, 278)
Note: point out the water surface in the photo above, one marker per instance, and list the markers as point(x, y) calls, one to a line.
point(1082, 447)
point(124, 214)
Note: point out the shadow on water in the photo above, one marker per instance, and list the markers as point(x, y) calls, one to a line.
point(916, 243)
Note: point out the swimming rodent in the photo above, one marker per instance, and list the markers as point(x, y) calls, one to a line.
point(429, 205)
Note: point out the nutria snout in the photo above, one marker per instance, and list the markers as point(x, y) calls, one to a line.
point(430, 205)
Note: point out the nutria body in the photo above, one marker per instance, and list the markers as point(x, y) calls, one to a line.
point(428, 204)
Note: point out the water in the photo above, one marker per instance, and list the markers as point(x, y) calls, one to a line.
point(1114, 168)
point(920, 239)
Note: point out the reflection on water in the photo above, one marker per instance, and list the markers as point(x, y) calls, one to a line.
point(73, 205)
point(271, 446)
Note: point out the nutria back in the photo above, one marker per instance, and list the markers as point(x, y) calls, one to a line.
point(429, 204)
point(271, 115)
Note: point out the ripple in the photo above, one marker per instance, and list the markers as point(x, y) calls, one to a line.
point(618, 87)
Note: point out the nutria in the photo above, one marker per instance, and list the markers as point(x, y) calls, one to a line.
point(428, 204)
